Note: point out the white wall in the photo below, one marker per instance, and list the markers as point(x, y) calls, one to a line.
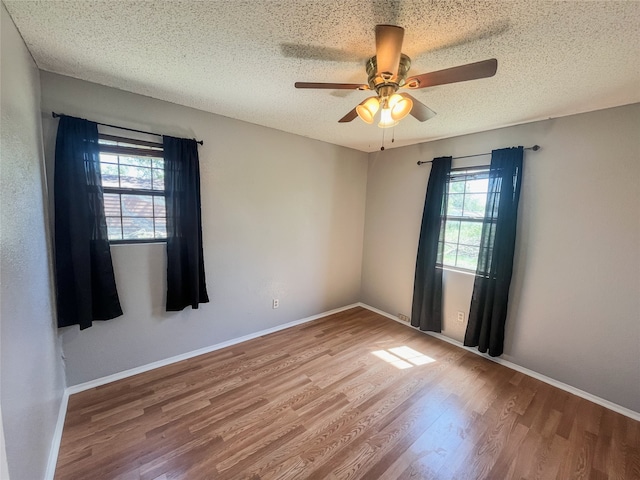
point(575, 296)
point(32, 378)
point(283, 217)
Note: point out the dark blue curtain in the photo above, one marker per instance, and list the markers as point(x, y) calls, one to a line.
point(426, 311)
point(85, 283)
point(185, 260)
point(488, 311)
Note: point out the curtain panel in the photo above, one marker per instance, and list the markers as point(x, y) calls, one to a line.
point(185, 260)
point(488, 311)
point(426, 311)
point(85, 282)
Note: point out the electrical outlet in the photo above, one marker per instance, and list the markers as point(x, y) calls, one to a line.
point(460, 317)
point(402, 317)
point(276, 303)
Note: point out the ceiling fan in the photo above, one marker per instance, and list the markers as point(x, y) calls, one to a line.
point(387, 72)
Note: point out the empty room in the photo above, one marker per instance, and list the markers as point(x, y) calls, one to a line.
point(300, 239)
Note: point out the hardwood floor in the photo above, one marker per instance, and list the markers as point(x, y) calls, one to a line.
point(353, 395)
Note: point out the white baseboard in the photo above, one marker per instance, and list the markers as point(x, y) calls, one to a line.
point(57, 437)
point(194, 353)
point(543, 378)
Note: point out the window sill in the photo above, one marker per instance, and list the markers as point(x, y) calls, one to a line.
point(457, 270)
point(136, 242)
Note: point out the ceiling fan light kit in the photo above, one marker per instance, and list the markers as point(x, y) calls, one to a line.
point(387, 72)
point(386, 120)
point(367, 110)
point(400, 106)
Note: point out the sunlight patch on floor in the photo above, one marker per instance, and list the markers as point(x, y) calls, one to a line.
point(403, 357)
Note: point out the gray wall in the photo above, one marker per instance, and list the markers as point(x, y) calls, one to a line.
point(575, 296)
point(283, 217)
point(32, 378)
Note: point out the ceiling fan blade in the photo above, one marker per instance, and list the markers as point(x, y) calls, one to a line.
point(471, 71)
point(388, 48)
point(420, 111)
point(349, 116)
point(332, 86)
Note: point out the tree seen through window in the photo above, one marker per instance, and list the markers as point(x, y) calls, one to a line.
point(466, 202)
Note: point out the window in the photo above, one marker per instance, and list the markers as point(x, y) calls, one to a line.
point(133, 184)
point(466, 201)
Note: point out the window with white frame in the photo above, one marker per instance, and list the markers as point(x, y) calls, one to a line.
point(133, 184)
point(466, 202)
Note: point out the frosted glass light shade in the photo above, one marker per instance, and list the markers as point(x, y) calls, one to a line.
point(386, 120)
point(367, 110)
point(400, 106)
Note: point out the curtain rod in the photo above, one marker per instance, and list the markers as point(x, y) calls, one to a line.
point(535, 148)
point(57, 115)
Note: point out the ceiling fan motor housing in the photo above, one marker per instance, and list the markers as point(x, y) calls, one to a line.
point(385, 83)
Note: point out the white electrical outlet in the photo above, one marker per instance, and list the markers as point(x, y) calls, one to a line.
point(460, 317)
point(276, 303)
point(402, 317)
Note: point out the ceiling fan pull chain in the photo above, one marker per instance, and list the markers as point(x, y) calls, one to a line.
point(382, 147)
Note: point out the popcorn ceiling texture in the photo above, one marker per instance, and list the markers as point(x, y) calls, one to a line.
point(241, 59)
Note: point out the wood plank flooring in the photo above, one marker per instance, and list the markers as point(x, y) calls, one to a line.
point(350, 396)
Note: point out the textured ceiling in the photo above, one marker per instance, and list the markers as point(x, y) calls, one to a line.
point(241, 58)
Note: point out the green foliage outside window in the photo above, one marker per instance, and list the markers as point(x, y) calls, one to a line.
point(466, 204)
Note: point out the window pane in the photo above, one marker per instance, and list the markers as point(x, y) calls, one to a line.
point(158, 179)
point(107, 158)
point(456, 187)
point(467, 257)
point(137, 206)
point(135, 177)
point(470, 233)
point(136, 228)
point(161, 227)
point(109, 173)
point(467, 198)
point(454, 204)
point(474, 205)
point(113, 228)
point(130, 216)
point(159, 207)
point(451, 231)
point(135, 161)
point(112, 204)
point(450, 250)
point(478, 186)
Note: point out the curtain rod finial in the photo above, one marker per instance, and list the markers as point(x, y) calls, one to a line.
point(535, 148)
